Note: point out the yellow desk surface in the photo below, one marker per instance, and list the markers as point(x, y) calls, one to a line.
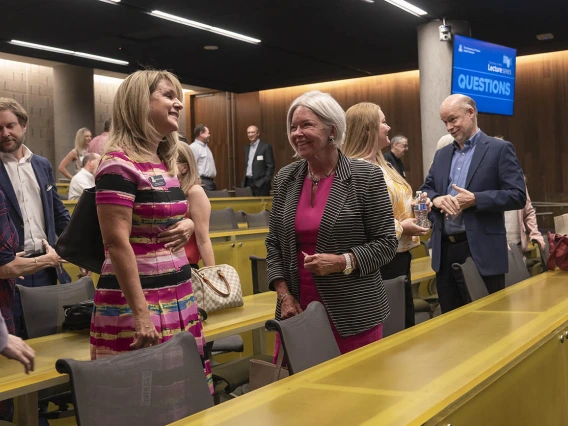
point(238, 232)
point(246, 204)
point(14, 382)
point(421, 269)
point(409, 377)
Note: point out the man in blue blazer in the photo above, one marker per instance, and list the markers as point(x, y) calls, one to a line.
point(33, 203)
point(471, 183)
point(259, 164)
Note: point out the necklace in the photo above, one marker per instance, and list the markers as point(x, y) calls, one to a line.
point(315, 180)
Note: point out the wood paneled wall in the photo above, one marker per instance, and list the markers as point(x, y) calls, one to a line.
point(213, 111)
point(397, 94)
point(538, 130)
point(539, 127)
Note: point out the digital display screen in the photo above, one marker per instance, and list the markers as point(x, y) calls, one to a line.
point(486, 73)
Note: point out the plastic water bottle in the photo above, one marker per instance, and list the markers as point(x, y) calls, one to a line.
point(421, 211)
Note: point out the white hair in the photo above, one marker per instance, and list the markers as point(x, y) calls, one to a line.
point(325, 107)
point(444, 140)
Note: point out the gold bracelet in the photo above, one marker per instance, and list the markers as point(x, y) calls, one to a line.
point(284, 296)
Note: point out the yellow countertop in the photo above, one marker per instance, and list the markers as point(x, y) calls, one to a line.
point(411, 376)
point(256, 311)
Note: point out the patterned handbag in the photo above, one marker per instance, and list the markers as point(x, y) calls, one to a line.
point(217, 287)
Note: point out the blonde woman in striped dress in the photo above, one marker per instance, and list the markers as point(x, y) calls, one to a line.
point(367, 133)
point(144, 295)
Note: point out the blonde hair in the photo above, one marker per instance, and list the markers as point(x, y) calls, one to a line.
point(15, 108)
point(362, 132)
point(80, 140)
point(185, 155)
point(132, 130)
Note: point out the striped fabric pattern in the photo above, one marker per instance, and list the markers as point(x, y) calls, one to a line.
point(157, 201)
point(358, 218)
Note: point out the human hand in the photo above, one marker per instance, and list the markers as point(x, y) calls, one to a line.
point(145, 334)
point(324, 264)
point(19, 350)
point(465, 198)
point(409, 227)
point(177, 235)
point(447, 204)
point(52, 256)
point(289, 307)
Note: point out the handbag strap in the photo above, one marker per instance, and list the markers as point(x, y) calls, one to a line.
point(212, 287)
point(279, 361)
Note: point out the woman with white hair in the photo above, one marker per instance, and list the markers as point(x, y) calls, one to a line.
point(144, 295)
point(331, 227)
point(82, 139)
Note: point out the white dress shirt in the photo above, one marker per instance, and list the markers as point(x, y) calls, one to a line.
point(82, 180)
point(252, 151)
point(28, 193)
point(204, 158)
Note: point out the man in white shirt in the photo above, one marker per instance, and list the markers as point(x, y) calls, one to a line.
point(204, 157)
point(31, 197)
point(86, 176)
point(259, 164)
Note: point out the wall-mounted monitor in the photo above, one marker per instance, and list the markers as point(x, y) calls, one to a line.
point(485, 72)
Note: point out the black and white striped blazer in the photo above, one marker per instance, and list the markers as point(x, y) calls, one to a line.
point(357, 218)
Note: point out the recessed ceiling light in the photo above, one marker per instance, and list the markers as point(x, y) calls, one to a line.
point(545, 36)
point(211, 47)
point(407, 7)
point(205, 27)
point(68, 52)
point(111, 1)
point(368, 1)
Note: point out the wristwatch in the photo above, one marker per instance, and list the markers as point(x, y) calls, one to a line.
point(348, 265)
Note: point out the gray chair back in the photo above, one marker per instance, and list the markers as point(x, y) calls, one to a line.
point(222, 193)
point(474, 283)
point(307, 338)
point(43, 306)
point(222, 220)
point(258, 220)
point(395, 295)
point(241, 217)
point(153, 386)
point(259, 275)
point(517, 268)
point(243, 192)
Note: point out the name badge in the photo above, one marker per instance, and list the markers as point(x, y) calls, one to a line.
point(259, 157)
point(157, 180)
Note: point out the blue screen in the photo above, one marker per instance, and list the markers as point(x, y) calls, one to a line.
point(486, 73)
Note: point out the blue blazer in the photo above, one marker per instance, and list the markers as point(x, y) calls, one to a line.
point(55, 214)
point(496, 179)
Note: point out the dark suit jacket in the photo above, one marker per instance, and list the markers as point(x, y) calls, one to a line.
point(357, 218)
point(262, 170)
point(55, 214)
point(497, 181)
point(396, 163)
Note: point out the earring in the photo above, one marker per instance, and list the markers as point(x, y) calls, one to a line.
point(331, 139)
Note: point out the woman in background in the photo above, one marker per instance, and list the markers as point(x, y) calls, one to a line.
point(367, 134)
point(141, 208)
point(75, 156)
point(199, 208)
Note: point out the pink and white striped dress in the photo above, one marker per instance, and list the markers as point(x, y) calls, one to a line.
point(157, 201)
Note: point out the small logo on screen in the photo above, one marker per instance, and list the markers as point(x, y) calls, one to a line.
point(507, 61)
point(460, 49)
